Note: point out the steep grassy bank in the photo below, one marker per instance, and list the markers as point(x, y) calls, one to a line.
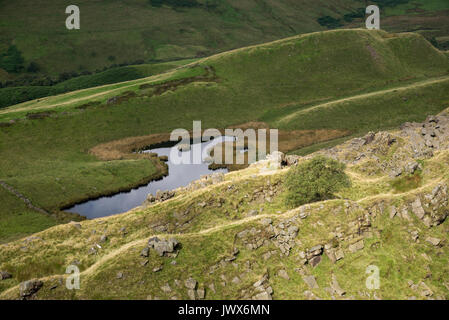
point(123, 32)
point(15, 95)
point(114, 33)
point(239, 230)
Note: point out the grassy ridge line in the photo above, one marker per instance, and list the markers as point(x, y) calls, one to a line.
point(88, 93)
point(115, 253)
point(109, 36)
point(418, 84)
point(15, 95)
point(61, 100)
point(147, 36)
point(121, 252)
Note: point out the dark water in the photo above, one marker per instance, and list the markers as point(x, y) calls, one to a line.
point(179, 175)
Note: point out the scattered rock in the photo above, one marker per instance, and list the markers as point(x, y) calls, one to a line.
point(393, 212)
point(236, 280)
point(145, 252)
point(166, 288)
point(5, 275)
point(433, 241)
point(201, 293)
point(359, 245)
point(162, 247)
point(30, 287)
point(253, 213)
point(144, 262)
point(336, 287)
point(191, 294)
point(191, 283)
point(311, 282)
point(425, 290)
point(415, 235)
point(157, 269)
point(263, 296)
point(417, 209)
point(77, 225)
point(160, 196)
point(315, 261)
point(283, 274)
point(266, 221)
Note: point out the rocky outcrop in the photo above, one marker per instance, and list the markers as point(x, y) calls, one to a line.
point(163, 247)
point(29, 288)
point(273, 161)
point(395, 153)
point(263, 289)
point(160, 196)
point(431, 208)
point(204, 181)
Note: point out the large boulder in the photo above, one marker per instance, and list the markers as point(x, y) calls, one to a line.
point(162, 247)
point(272, 161)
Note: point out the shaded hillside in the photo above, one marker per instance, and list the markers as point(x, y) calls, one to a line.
point(125, 32)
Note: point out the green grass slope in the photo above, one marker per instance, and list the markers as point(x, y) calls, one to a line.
point(18, 220)
point(210, 234)
point(14, 95)
point(47, 159)
point(117, 32)
point(114, 32)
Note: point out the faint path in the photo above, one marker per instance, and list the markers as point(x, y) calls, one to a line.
point(115, 253)
point(363, 96)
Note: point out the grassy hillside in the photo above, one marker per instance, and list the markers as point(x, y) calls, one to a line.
point(268, 83)
point(227, 248)
point(19, 220)
point(14, 95)
point(123, 32)
point(126, 31)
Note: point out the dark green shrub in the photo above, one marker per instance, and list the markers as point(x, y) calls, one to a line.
point(329, 22)
point(33, 67)
point(315, 180)
point(359, 13)
point(14, 95)
point(389, 3)
point(12, 60)
point(175, 3)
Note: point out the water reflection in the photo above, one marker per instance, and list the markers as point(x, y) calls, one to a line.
point(179, 175)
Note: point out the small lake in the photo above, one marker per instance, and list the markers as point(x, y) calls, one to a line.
point(179, 175)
